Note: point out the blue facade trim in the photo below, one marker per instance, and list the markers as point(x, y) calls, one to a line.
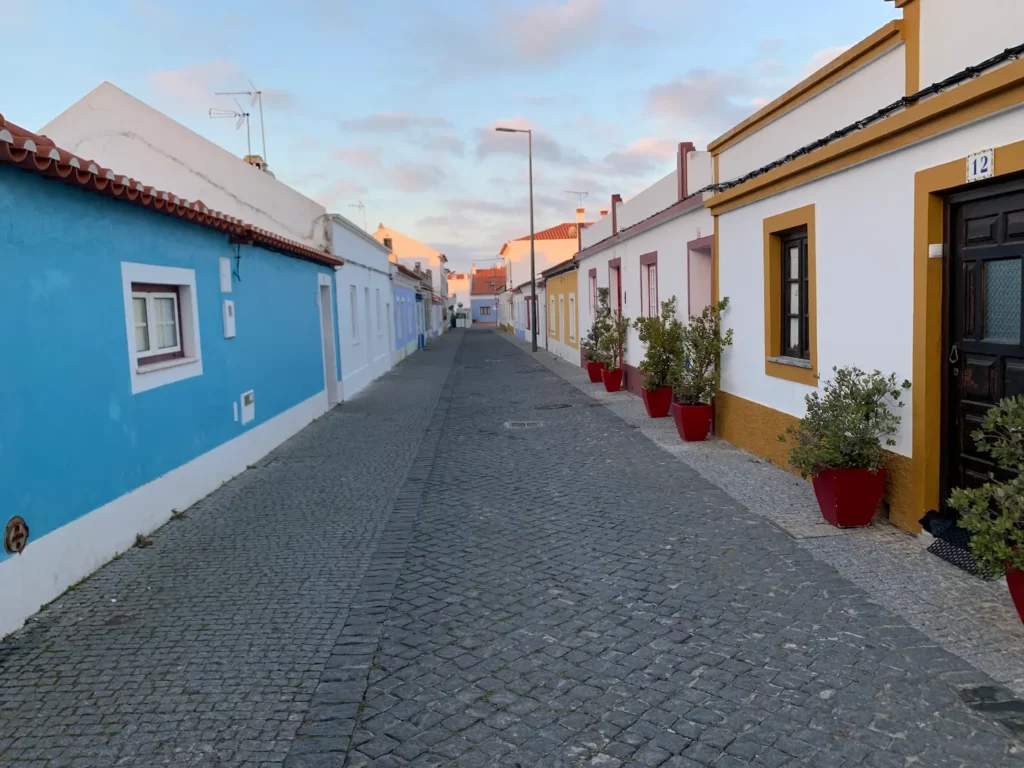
point(476, 304)
point(73, 436)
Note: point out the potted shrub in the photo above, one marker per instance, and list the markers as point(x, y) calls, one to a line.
point(838, 443)
point(663, 340)
point(596, 358)
point(994, 512)
point(695, 374)
point(613, 344)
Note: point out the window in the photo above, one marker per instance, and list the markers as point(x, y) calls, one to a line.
point(789, 297)
point(593, 290)
point(353, 299)
point(560, 315)
point(387, 243)
point(485, 310)
point(552, 319)
point(157, 313)
point(528, 315)
point(572, 317)
point(162, 324)
point(380, 318)
point(794, 295)
point(615, 285)
point(649, 285)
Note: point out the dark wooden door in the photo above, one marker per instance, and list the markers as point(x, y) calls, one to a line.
point(985, 347)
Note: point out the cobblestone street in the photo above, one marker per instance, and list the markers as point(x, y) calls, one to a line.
point(477, 564)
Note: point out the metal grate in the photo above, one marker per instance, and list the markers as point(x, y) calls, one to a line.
point(523, 424)
point(15, 535)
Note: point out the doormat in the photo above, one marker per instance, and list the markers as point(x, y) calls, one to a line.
point(953, 544)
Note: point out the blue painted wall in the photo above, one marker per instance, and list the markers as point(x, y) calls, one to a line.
point(475, 304)
point(72, 435)
point(405, 315)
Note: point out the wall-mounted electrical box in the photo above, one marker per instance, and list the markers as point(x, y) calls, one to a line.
point(248, 406)
point(225, 274)
point(228, 307)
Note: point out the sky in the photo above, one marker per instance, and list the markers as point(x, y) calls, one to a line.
point(392, 103)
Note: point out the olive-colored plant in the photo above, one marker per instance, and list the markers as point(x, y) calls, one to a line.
point(695, 374)
point(662, 337)
point(846, 424)
point(601, 326)
point(995, 511)
point(613, 343)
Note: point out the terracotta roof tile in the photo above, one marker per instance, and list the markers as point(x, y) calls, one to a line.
point(564, 231)
point(486, 282)
point(38, 154)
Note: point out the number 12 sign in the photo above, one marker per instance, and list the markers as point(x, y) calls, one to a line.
point(981, 165)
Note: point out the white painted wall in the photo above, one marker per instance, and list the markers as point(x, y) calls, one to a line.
point(699, 171)
point(864, 268)
point(657, 197)
point(598, 231)
point(408, 251)
point(956, 34)
point(878, 83)
point(366, 350)
point(670, 241)
point(458, 288)
point(129, 137)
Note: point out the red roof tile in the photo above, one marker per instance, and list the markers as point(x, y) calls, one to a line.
point(566, 231)
point(37, 154)
point(486, 282)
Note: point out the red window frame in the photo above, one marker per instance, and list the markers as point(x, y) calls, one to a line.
point(649, 284)
point(615, 265)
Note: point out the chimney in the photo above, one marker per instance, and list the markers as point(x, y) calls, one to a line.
point(579, 215)
point(683, 190)
point(472, 268)
point(417, 266)
point(616, 199)
point(602, 213)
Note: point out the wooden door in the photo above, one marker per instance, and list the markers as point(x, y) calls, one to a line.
point(985, 337)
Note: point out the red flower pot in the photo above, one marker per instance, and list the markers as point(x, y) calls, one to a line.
point(612, 379)
point(657, 401)
point(849, 497)
point(1015, 581)
point(594, 371)
point(693, 422)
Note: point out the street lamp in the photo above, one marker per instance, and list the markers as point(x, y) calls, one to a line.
point(533, 268)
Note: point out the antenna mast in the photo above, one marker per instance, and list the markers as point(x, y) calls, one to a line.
point(241, 116)
point(256, 99)
point(361, 207)
point(577, 192)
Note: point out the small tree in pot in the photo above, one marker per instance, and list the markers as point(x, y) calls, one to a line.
point(695, 375)
point(663, 340)
point(613, 346)
point(596, 358)
point(838, 443)
point(995, 511)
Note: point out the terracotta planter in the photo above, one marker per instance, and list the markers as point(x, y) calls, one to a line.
point(693, 422)
point(612, 379)
point(849, 497)
point(594, 371)
point(657, 401)
point(1015, 581)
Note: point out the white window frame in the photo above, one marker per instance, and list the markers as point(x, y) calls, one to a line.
point(150, 297)
point(552, 319)
point(145, 377)
point(560, 317)
point(380, 323)
point(650, 282)
point(572, 317)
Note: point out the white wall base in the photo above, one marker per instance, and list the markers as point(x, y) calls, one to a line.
point(51, 564)
point(357, 381)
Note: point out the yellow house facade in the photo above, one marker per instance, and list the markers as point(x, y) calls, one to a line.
point(563, 332)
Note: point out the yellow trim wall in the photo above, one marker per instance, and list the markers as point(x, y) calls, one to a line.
point(561, 287)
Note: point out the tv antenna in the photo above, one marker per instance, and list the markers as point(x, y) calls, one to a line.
point(241, 116)
point(255, 99)
point(577, 192)
point(361, 207)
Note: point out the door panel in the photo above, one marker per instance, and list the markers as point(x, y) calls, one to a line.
point(985, 353)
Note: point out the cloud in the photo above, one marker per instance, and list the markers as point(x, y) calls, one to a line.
point(643, 156)
point(393, 122)
point(358, 157)
point(339, 193)
point(491, 142)
point(415, 177)
point(195, 87)
point(546, 31)
point(445, 143)
point(820, 58)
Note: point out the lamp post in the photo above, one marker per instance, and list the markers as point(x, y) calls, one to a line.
point(533, 267)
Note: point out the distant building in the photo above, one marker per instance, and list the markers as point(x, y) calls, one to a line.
point(459, 288)
point(551, 246)
point(486, 283)
point(415, 255)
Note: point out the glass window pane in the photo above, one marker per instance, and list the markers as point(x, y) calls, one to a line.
point(794, 298)
point(141, 329)
point(794, 262)
point(1002, 300)
point(794, 332)
point(165, 310)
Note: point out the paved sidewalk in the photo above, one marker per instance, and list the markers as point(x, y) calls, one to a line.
point(971, 618)
point(477, 564)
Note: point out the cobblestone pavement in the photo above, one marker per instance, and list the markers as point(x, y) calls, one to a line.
point(430, 577)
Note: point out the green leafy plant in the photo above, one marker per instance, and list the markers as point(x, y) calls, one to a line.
point(613, 343)
point(995, 511)
point(601, 326)
point(695, 375)
point(845, 426)
point(663, 340)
